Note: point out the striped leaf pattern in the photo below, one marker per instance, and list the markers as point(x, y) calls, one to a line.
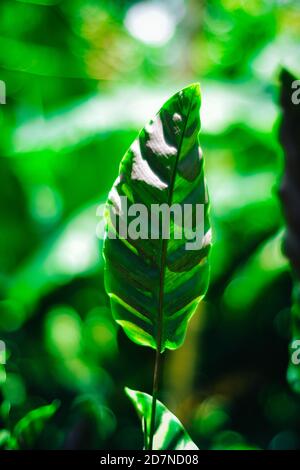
point(155, 284)
point(169, 432)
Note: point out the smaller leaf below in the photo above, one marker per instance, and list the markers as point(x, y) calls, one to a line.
point(169, 432)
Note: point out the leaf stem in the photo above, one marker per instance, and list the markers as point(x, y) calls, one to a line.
point(164, 248)
point(156, 375)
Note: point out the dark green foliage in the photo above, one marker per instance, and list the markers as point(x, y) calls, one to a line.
point(26, 432)
point(290, 186)
point(290, 197)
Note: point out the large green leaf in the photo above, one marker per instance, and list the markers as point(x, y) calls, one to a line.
point(169, 433)
point(155, 285)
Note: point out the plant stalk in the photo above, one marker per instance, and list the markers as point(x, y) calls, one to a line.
point(156, 376)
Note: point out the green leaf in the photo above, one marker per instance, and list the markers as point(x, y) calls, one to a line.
point(156, 285)
point(169, 433)
point(30, 426)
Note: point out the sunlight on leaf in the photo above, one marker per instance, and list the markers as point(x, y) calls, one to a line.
point(169, 432)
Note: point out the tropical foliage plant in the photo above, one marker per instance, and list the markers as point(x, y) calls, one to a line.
point(74, 103)
point(156, 284)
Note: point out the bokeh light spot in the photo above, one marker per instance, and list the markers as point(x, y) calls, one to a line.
point(150, 22)
point(63, 331)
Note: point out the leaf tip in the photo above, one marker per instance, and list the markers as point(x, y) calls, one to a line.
point(193, 90)
point(129, 392)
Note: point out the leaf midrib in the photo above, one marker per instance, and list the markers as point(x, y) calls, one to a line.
point(165, 241)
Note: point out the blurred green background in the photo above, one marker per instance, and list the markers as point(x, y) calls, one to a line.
point(82, 76)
